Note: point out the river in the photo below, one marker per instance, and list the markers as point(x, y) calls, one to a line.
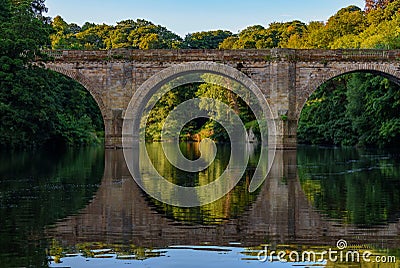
point(81, 208)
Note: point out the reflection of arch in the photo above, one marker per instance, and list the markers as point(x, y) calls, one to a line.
point(149, 87)
point(86, 83)
point(281, 214)
point(320, 77)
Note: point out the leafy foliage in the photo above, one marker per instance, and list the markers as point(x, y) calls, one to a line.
point(140, 34)
point(356, 109)
point(205, 40)
point(277, 35)
point(38, 106)
point(323, 118)
point(203, 127)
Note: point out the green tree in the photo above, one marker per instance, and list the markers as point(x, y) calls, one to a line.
point(23, 32)
point(346, 23)
point(384, 35)
point(323, 119)
point(164, 106)
point(276, 35)
point(96, 37)
point(315, 36)
point(349, 20)
point(373, 108)
point(281, 33)
point(64, 36)
point(229, 42)
point(142, 34)
point(36, 105)
point(205, 40)
point(250, 37)
point(355, 109)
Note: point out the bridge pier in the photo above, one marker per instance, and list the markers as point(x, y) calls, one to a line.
point(282, 98)
point(286, 134)
point(113, 130)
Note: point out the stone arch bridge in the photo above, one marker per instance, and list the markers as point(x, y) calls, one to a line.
point(286, 77)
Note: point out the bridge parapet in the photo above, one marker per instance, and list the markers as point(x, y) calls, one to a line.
point(356, 55)
point(159, 55)
point(219, 55)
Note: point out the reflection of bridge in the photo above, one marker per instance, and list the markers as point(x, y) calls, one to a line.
point(120, 213)
point(285, 77)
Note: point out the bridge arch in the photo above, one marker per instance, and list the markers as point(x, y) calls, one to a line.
point(87, 84)
point(320, 77)
point(150, 86)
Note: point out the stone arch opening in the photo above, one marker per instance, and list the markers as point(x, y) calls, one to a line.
point(348, 86)
point(149, 87)
point(90, 87)
point(318, 78)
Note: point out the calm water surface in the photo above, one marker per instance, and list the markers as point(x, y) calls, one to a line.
point(81, 208)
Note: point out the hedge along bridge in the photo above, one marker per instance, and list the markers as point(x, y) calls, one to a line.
point(286, 77)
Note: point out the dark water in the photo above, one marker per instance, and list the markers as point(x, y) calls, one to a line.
point(82, 208)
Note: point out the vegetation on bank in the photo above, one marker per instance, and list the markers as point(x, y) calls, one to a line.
point(39, 107)
point(355, 109)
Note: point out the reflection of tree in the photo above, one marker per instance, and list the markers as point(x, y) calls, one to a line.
point(96, 249)
point(132, 252)
point(36, 190)
point(230, 206)
point(358, 187)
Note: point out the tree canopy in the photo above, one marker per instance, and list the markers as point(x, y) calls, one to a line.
point(355, 109)
point(377, 26)
point(38, 106)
